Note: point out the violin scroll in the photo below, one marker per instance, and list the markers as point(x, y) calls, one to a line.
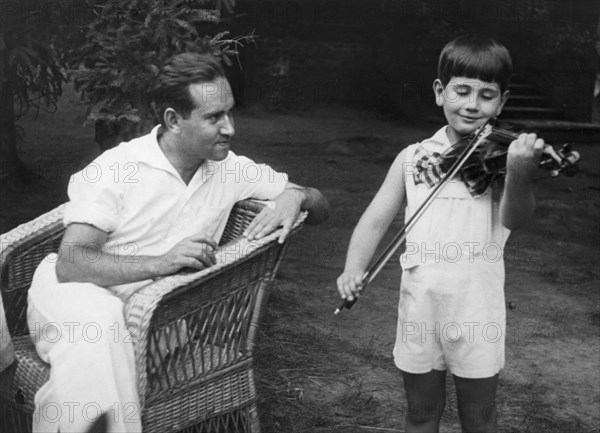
point(494, 161)
point(565, 160)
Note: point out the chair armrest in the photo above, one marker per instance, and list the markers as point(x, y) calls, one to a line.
point(24, 247)
point(21, 251)
point(205, 321)
point(240, 217)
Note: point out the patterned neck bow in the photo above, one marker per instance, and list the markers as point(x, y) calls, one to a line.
point(430, 168)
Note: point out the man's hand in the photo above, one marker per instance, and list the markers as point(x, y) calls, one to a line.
point(196, 252)
point(81, 241)
point(283, 212)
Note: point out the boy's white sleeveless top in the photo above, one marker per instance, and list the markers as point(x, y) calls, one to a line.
point(456, 227)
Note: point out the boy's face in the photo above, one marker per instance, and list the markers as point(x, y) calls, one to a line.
point(468, 103)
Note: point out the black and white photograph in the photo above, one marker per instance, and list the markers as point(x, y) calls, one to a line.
point(299, 216)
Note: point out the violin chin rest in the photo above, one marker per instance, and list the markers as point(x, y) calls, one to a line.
point(573, 157)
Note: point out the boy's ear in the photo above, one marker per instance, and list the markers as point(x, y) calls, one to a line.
point(171, 119)
point(503, 100)
point(438, 90)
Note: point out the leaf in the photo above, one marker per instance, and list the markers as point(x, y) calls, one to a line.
point(126, 42)
point(186, 26)
point(148, 20)
point(131, 116)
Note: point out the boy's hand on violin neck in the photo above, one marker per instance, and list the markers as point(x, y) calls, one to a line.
point(523, 158)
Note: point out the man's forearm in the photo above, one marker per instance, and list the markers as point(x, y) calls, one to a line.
point(316, 205)
point(92, 265)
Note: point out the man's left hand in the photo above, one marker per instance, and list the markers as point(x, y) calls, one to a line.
point(283, 211)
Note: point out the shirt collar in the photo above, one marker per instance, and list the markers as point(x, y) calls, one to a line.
point(438, 142)
point(149, 152)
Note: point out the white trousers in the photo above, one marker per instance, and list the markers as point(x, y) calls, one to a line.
point(79, 329)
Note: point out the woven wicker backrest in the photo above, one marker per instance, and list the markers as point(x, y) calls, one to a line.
point(19, 262)
point(241, 216)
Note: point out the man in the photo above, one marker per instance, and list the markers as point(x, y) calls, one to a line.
point(145, 209)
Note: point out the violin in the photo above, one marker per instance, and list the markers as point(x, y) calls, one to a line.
point(491, 154)
point(486, 152)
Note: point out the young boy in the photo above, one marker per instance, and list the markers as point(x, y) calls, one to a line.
point(451, 310)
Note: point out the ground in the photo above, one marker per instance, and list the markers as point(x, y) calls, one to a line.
point(317, 372)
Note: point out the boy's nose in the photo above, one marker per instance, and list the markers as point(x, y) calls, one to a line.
point(472, 103)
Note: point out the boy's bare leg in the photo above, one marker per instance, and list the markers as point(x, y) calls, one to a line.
point(426, 395)
point(477, 404)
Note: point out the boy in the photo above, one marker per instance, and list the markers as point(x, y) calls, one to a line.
point(451, 309)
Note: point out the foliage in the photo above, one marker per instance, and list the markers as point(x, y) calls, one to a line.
point(542, 27)
point(126, 42)
point(554, 35)
point(30, 69)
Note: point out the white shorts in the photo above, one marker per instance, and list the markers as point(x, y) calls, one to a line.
point(452, 316)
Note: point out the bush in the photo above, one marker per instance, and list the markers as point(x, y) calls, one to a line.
point(124, 46)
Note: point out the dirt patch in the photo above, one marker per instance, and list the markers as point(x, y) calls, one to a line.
point(320, 373)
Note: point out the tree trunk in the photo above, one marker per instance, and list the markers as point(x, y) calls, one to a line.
point(11, 167)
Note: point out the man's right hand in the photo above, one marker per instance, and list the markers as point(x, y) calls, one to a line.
point(196, 252)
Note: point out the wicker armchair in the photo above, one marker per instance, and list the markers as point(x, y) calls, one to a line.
point(193, 333)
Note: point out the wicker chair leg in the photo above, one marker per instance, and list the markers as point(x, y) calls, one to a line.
point(253, 421)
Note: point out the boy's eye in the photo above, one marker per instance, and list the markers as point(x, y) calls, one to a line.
point(462, 90)
point(489, 96)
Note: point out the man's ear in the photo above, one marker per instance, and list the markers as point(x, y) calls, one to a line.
point(171, 119)
point(438, 91)
point(503, 100)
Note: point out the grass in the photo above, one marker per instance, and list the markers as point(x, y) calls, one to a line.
point(316, 373)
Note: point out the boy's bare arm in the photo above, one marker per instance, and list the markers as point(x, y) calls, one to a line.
point(371, 227)
point(518, 201)
point(82, 258)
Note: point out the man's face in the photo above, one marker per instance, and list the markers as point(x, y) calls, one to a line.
point(205, 134)
point(468, 103)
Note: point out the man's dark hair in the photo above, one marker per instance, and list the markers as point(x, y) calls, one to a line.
point(171, 87)
point(475, 56)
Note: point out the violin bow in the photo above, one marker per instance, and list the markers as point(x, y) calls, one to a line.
point(484, 131)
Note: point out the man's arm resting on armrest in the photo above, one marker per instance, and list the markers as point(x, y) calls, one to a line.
point(82, 258)
point(287, 207)
point(311, 200)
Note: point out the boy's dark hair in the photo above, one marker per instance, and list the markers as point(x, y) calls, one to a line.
point(475, 56)
point(171, 87)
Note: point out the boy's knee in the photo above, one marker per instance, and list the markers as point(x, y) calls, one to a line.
point(425, 412)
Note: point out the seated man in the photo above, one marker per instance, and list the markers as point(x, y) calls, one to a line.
point(145, 209)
